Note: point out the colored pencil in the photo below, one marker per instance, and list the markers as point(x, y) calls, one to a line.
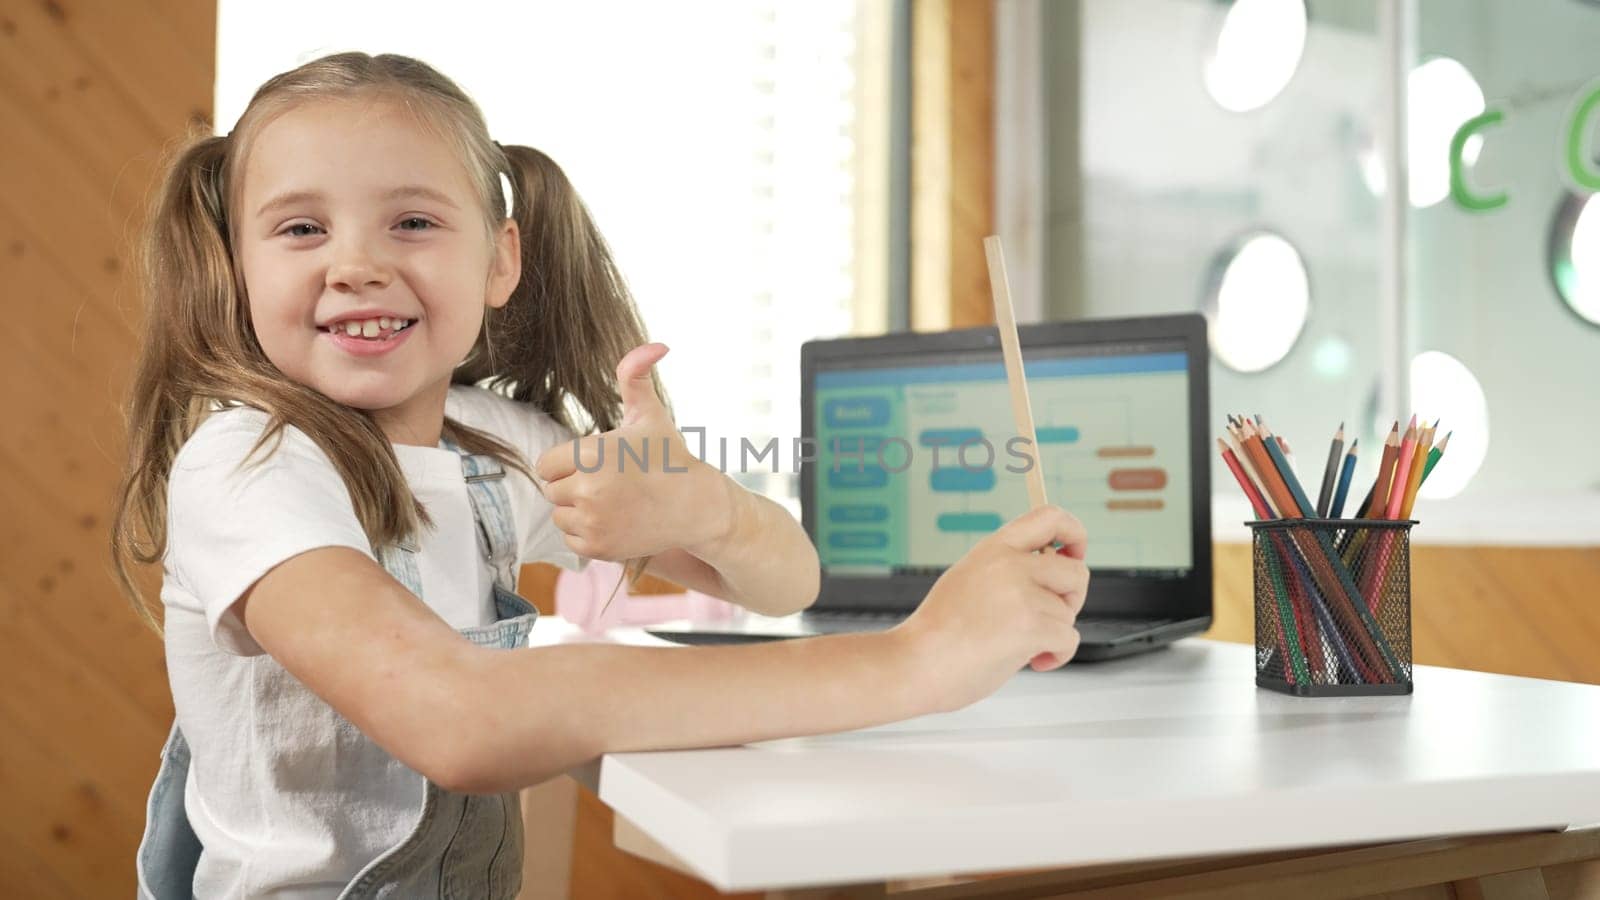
point(1297, 673)
point(1272, 481)
point(1257, 502)
point(1275, 447)
point(1329, 572)
point(1375, 582)
point(1330, 473)
point(1250, 469)
point(1407, 477)
point(1338, 583)
point(1379, 498)
point(1419, 461)
point(1316, 587)
point(1434, 455)
point(1345, 476)
point(1303, 591)
point(1284, 584)
point(1402, 472)
point(1356, 538)
point(1305, 597)
point(1271, 477)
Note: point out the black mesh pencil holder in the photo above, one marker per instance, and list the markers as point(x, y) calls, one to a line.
point(1333, 606)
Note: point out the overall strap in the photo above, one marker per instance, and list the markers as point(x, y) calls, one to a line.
point(491, 506)
point(400, 560)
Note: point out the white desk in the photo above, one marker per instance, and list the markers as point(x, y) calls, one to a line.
point(1165, 755)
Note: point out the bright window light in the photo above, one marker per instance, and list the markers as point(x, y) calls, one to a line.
point(1441, 95)
point(1443, 387)
point(1258, 49)
point(716, 144)
point(1259, 304)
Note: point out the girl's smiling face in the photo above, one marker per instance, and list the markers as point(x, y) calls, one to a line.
point(351, 212)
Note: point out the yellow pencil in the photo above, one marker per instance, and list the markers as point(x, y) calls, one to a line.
point(1419, 461)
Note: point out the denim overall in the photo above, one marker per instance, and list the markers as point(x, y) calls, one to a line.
point(463, 845)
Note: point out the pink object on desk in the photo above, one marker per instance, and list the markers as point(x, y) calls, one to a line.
point(581, 595)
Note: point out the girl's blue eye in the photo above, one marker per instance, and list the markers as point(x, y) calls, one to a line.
point(418, 219)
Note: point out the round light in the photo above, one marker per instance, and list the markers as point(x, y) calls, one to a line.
point(1575, 255)
point(1332, 358)
point(1444, 388)
point(1258, 49)
point(1440, 95)
point(1258, 304)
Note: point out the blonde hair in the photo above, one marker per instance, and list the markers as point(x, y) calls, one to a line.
point(553, 344)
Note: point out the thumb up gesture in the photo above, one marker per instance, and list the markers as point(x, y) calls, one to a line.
point(635, 490)
point(640, 404)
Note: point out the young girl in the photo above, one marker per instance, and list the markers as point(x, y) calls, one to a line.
point(355, 346)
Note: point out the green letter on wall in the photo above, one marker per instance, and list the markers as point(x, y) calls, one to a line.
point(1579, 164)
point(1463, 195)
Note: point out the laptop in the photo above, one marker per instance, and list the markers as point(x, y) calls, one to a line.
point(911, 463)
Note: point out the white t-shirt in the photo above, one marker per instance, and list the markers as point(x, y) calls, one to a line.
point(256, 798)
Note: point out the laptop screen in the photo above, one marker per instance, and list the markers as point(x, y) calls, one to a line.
point(917, 455)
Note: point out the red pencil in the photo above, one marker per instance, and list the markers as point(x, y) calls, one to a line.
point(1257, 502)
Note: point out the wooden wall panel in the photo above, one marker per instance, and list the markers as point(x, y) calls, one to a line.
point(1511, 610)
point(91, 92)
point(602, 872)
point(952, 162)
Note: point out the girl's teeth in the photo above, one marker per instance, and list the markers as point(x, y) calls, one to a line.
point(372, 328)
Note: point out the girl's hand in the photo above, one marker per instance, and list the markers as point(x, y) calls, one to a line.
point(1002, 606)
point(635, 491)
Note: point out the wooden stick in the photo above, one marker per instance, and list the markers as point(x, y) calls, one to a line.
point(1005, 319)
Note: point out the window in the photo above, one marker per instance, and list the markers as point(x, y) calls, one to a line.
point(1467, 298)
point(730, 152)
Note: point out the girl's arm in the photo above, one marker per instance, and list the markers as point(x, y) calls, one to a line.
point(485, 720)
point(638, 491)
point(759, 557)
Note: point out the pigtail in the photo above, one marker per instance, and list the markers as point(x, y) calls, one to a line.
point(571, 317)
point(183, 246)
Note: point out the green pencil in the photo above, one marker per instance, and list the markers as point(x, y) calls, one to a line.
point(1433, 456)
